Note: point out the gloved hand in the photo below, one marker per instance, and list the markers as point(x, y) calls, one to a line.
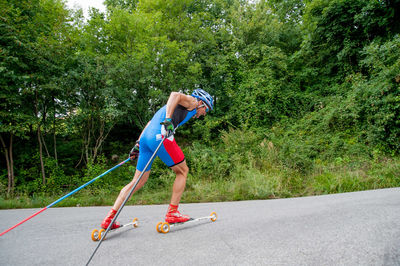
point(134, 153)
point(168, 126)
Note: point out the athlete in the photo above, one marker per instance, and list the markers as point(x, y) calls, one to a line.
point(178, 110)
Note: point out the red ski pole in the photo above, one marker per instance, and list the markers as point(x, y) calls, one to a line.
point(64, 197)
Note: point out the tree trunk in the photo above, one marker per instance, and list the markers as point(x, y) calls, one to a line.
point(54, 133)
point(40, 142)
point(44, 145)
point(55, 146)
point(44, 133)
point(87, 143)
point(41, 156)
point(102, 137)
point(85, 146)
point(12, 163)
point(99, 140)
point(9, 171)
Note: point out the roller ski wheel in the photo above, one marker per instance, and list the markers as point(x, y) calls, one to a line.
point(214, 216)
point(135, 222)
point(164, 227)
point(101, 233)
point(97, 235)
point(158, 227)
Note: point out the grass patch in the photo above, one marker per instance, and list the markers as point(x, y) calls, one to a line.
point(244, 166)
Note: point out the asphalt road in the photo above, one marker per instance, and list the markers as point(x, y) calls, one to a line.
point(361, 228)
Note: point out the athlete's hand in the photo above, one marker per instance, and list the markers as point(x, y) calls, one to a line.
point(168, 126)
point(134, 153)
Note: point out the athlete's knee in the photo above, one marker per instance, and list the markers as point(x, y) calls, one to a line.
point(182, 169)
point(125, 189)
point(185, 170)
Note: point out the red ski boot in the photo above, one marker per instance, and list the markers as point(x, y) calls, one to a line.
point(106, 222)
point(173, 215)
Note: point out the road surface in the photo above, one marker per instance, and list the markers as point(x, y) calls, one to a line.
point(360, 228)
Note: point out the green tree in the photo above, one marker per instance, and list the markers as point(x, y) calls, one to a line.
point(34, 44)
point(336, 31)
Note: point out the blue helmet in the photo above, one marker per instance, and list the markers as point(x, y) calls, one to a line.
point(204, 96)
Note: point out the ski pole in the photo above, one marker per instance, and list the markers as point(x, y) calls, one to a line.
point(66, 196)
point(126, 199)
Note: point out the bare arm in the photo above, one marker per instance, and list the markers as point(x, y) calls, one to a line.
point(176, 98)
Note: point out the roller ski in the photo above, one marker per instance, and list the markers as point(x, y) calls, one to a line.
point(98, 234)
point(165, 227)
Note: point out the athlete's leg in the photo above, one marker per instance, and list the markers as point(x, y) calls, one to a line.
point(181, 170)
point(173, 215)
point(145, 153)
point(122, 196)
point(125, 191)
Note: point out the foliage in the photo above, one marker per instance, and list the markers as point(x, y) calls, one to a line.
point(307, 96)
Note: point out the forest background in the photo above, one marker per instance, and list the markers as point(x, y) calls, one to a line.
point(307, 97)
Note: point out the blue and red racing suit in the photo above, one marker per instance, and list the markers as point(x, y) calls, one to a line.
point(169, 152)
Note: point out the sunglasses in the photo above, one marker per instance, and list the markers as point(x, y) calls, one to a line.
point(204, 105)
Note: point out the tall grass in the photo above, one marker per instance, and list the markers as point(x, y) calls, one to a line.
point(246, 165)
point(243, 165)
